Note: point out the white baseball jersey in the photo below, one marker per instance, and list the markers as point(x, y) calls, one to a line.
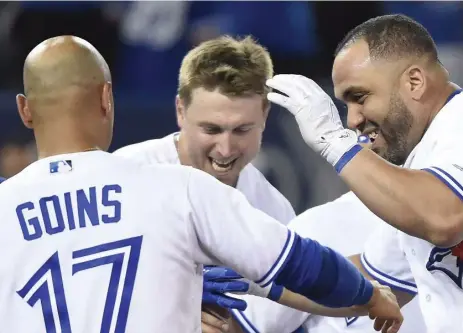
point(344, 225)
point(93, 242)
point(255, 187)
point(410, 263)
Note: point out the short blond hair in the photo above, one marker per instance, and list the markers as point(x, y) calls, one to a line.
point(237, 67)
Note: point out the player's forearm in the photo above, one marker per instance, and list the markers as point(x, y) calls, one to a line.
point(304, 304)
point(324, 276)
point(412, 201)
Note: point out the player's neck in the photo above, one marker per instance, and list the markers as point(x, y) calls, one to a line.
point(51, 145)
point(181, 150)
point(442, 98)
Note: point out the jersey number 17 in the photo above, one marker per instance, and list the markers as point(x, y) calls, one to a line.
point(46, 284)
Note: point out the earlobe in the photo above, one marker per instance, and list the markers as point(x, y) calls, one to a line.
point(107, 98)
point(266, 112)
point(23, 110)
point(417, 82)
point(180, 109)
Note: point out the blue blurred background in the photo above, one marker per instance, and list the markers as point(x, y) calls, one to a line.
point(144, 43)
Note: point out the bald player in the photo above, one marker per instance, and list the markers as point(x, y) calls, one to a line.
point(92, 242)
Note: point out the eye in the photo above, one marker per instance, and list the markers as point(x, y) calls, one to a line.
point(359, 98)
point(242, 130)
point(212, 130)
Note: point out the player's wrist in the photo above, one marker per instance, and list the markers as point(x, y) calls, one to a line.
point(367, 295)
point(341, 148)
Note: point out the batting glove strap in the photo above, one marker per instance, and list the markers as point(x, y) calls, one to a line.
point(339, 148)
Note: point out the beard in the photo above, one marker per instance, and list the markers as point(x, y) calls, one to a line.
point(395, 130)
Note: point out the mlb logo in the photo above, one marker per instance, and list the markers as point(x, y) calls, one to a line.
point(61, 166)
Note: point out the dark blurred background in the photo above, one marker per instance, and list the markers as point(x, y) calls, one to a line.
point(144, 43)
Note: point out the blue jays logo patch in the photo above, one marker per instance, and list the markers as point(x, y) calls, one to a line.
point(445, 260)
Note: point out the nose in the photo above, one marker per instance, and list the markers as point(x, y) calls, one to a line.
point(355, 118)
point(224, 145)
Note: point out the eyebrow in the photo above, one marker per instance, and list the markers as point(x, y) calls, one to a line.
point(347, 94)
point(208, 124)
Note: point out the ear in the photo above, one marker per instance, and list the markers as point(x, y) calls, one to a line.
point(180, 111)
point(415, 81)
point(107, 99)
point(266, 112)
point(23, 110)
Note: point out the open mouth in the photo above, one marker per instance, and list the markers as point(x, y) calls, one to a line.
point(372, 134)
point(222, 165)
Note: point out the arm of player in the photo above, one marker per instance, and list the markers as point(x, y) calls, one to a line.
point(423, 203)
point(227, 230)
point(262, 315)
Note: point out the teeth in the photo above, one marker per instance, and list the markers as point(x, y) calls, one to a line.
point(223, 162)
point(222, 166)
point(373, 135)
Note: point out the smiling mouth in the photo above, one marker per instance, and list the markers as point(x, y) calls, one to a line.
point(223, 165)
point(372, 134)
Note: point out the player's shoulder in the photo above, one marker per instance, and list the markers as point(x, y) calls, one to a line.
point(152, 151)
point(447, 123)
point(263, 195)
point(2, 180)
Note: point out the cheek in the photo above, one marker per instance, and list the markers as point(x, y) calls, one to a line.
point(375, 111)
point(250, 143)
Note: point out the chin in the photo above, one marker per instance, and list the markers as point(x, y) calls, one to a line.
point(228, 180)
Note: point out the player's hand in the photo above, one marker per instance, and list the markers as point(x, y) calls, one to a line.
point(315, 113)
point(384, 309)
point(220, 280)
point(214, 319)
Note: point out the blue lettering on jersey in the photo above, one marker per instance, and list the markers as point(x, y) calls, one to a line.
point(36, 218)
point(350, 320)
point(443, 260)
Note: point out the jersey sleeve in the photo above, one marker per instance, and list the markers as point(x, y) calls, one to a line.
point(287, 210)
point(446, 164)
point(262, 315)
point(228, 231)
point(384, 259)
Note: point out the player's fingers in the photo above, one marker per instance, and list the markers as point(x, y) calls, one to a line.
point(283, 101)
point(220, 273)
point(223, 287)
point(231, 303)
point(395, 327)
point(387, 324)
point(205, 328)
point(212, 324)
point(282, 83)
point(378, 324)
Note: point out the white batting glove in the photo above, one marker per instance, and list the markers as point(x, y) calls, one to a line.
point(317, 117)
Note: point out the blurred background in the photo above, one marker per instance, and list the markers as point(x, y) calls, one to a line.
point(144, 43)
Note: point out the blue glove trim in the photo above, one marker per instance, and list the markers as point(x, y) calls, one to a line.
point(224, 301)
point(348, 155)
point(275, 292)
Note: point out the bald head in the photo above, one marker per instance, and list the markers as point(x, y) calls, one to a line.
point(68, 91)
point(63, 62)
